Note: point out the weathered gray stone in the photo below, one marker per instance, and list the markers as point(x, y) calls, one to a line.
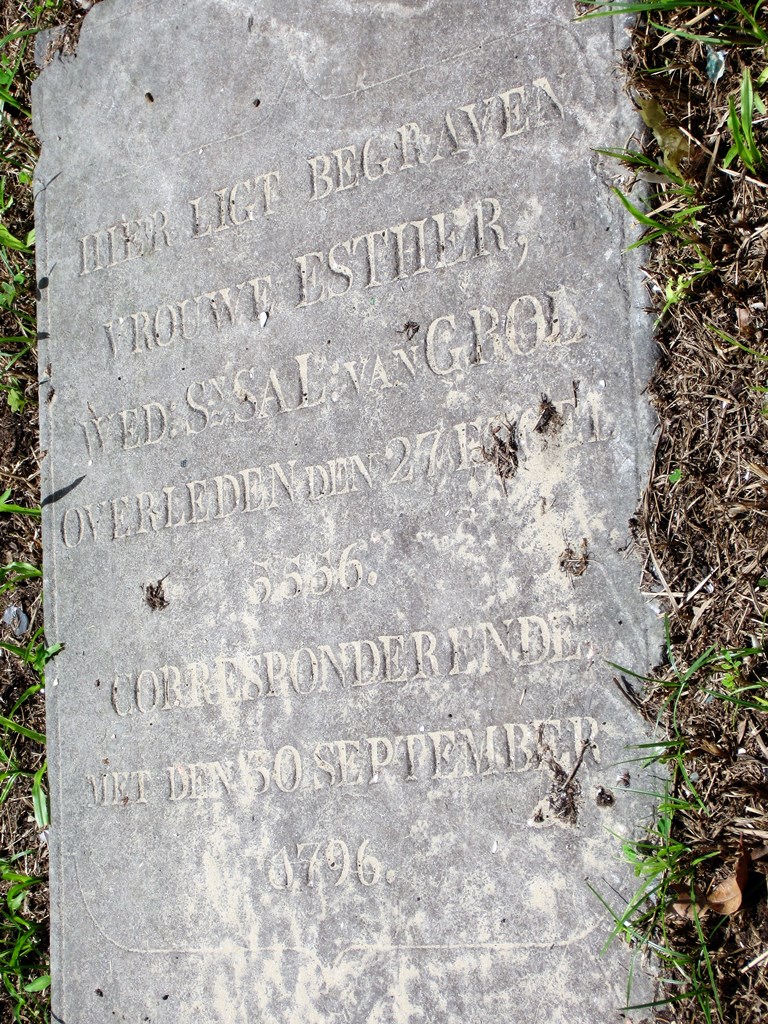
point(336, 582)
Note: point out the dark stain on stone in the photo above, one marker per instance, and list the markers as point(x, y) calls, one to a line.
point(574, 563)
point(154, 594)
point(550, 420)
point(605, 797)
point(502, 452)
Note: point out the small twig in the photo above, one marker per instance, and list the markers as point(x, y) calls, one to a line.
point(657, 567)
point(584, 747)
point(689, 24)
point(12, 476)
point(737, 174)
point(690, 596)
point(755, 962)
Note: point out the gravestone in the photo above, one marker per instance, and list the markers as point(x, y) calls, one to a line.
point(342, 404)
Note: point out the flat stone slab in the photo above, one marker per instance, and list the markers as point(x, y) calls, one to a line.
point(342, 403)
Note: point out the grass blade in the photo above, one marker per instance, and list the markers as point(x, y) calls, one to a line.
point(22, 730)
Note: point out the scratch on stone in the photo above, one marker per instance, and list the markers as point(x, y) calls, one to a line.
point(415, 71)
point(435, 64)
point(394, 78)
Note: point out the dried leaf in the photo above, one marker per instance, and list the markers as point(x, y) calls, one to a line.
point(690, 911)
point(726, 898)
point(673, 144)
point(686, 907)
point(683, 910)
point(712, 748)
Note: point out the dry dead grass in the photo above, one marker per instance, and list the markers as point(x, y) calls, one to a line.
point(704, 515)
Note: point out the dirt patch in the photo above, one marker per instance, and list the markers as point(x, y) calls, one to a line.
point(502, 451)
point(550, 421)
point(574, 562)
point(154, 595)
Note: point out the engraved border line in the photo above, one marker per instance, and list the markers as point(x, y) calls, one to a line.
point(228, 948)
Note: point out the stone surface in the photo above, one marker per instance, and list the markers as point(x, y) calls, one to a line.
point(342, 405)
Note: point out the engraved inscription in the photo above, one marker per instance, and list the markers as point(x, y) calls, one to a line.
point(429, 458)
point(486, 336)
point(460, 132)
point(432, 755)
point(435, 242)
point(128, 240)
point(222, 401)
point(236, 205)
point(305, 865)
point(331, 328)
point(309, 577)
point(186, 319)
point(483, 338)
point(385, 255)
point(118, 789)
point(339, 667)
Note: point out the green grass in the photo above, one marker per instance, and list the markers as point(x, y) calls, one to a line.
point(23, 939)
point(667, 870)
point(7, 506)
point(24, 961)
point(679, 853)
point(680, 223)
point(15, 573)
point(673, 213)
point(741, 124)
point(730, 686)
point(666, 865)
point(741, 24)
point(23, 943)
